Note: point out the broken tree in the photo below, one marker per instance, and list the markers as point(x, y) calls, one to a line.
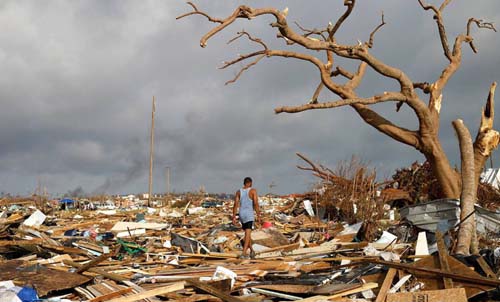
point(425, 136)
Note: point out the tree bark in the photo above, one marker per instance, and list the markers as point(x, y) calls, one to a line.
point(447, 177)
point(469, 189)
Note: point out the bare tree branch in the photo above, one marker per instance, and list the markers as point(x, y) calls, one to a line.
point(356, 78)
point(439, 21)
point(479, 24)
point(241, 12)
point(244, 33)
point(444, 4)
point(244, 68)
point(386, 97)
point(309, 32)
point(198, 12)
point(341, 71)
point(350, 6)
point(372, 34)
point(317, 91)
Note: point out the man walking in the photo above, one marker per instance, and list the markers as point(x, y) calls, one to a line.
point(246, 201)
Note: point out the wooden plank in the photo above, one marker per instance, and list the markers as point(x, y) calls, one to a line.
point(406, 267)
point(111, 276)
point(150, 293)
point(445, 295)
point(433, 281)
point(139, 289)
point(213, 291)
point(359, 289)
point(92, 263)
point(275, 294)
point(111, 295)
point(386, 285)
point(443, 259)
point(287, 288)
point(33, 241)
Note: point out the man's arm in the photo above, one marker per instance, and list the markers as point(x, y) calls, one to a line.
point(256, 207)
point(236, 205)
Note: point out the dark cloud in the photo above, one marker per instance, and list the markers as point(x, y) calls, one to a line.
point(78, 77)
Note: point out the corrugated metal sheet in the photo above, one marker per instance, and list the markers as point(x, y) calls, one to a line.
point(492, 177)
point(428, 215)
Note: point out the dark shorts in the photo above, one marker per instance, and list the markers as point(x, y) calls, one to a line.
point(247, 225)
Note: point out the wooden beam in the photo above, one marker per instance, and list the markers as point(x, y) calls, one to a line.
point(92, 263)
point(359, 289)
point(213, 291)
point(151, 293)
point(406, 267)
point(386, 285)
point(111, 276)
point(114, 294)
point(443, 259)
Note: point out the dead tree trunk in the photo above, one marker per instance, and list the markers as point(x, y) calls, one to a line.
point(469, 189)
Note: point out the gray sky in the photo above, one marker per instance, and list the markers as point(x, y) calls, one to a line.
point(78, 77)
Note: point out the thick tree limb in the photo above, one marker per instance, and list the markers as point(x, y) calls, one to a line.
point(356, 78)
point(469, 188)
point(400, 134)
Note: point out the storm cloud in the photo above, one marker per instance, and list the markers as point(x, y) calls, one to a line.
point(78, 78)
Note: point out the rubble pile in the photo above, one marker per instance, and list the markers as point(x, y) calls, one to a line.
point(192, 253)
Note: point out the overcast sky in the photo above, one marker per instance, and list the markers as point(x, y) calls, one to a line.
point(77, 79)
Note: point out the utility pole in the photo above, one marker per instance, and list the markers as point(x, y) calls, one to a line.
point(167, 177)
point(151, 147)
point(38, 192)
point(167, 195)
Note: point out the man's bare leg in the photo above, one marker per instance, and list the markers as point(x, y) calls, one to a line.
point(247, 241)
